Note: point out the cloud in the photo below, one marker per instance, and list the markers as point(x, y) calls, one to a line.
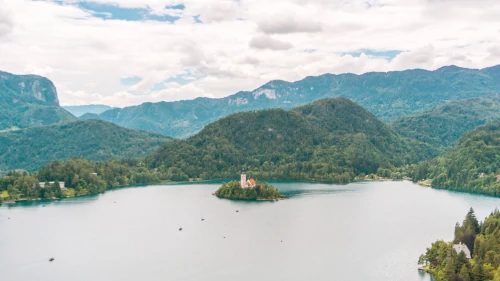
point(235, 45)
point(288, 24)
point(42, 71)
point(419, 58)
point(267, 42)
point(6, 21)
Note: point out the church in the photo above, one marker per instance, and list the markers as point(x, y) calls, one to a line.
point(246, 184)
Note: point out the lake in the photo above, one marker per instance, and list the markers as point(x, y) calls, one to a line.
point(361, 231)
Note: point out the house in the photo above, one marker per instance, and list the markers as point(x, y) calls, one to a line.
point(94, 174)
point(462, 248)
point(61, 184)
point(498, 177)
point(481, 175)
point(244, 183)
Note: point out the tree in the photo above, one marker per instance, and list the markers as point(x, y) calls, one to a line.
point(478, 272)
point(457, 277)
point(449, 269)
point(464, 272)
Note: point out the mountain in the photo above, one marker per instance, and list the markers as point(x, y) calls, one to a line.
point(96, 140)
point(442, 126)
point(471, 165)
point(29, 100)
point(328, 140)
point(388, 95)
point(79, 110)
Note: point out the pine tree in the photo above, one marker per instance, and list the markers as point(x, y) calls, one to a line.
point(478, 272)
point(464, 272)
point(449, 269)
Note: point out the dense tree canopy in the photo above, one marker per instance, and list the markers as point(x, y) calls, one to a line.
point(329, 140)
point(96, 140)
point(472, 165)
point(483, 241)
point(443, 126)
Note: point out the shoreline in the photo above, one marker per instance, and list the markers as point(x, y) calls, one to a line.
point(170, 183)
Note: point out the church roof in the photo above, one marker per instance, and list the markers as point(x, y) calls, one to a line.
point(462, 248)
point(252, 182)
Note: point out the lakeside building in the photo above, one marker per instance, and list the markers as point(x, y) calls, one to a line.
point(462, 248)
point(61, 184)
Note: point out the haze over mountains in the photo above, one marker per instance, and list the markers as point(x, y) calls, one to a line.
point(387, 95)
point(79, 110)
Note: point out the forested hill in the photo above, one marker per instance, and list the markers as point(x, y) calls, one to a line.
point(462, 167)
point(29, 100)
point(442, 126)
point(30, 149)
point(328, 140)
point(389, 95)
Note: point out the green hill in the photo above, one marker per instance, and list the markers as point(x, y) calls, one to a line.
point(96, 140)
point(29, 100)
point(471, 165)
point(442, 126)
point(328, 140)
point(388, 95)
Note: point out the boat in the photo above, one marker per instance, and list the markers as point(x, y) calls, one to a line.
point(51, 259)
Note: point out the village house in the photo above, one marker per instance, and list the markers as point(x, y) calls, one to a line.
point(247, 183)
point(462, 248)
point(61, 184)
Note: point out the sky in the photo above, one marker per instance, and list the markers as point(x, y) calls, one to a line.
point(126, 52)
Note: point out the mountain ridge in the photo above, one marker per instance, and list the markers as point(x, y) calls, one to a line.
point(388, 95)
point(29, 100)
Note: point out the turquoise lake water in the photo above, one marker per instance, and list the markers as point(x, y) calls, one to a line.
point(362, 231)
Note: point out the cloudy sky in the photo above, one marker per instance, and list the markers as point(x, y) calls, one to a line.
point(125, 52)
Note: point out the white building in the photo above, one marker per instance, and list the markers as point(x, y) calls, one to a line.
point(61, 184)
point(462, 248)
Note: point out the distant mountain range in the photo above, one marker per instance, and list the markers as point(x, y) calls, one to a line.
point(442, 126)
point(328, 140)
point(79, 110)
point(29, 100)
point(30, 149)
point(388, 95)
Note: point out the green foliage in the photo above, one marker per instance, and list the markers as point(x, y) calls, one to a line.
point(471, 165)
point(445, 264)
point(262, 191)
point(29, 100)
point(388, 95)
point(80, 176)
point(330, 140)
point(442, 126)
point(30, 149)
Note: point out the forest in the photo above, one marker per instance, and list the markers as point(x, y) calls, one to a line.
point(483, 241)
point(472, 165)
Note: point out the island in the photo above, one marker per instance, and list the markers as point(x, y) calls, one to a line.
point(248, 190)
